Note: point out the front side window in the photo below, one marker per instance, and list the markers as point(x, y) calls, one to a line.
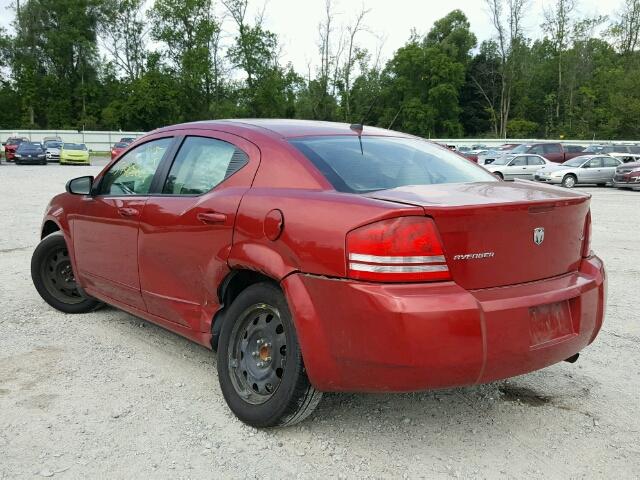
point(595, 163)
point(378, 163)
point(133, 173)
point(201, 164)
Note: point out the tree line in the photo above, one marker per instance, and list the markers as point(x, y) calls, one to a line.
point(122, 64)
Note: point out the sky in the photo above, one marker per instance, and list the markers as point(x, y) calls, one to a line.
point(296, 21)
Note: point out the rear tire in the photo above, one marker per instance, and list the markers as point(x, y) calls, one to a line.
point(54, 279)
point(260, 366)
point(601, 184)
point(569, 181)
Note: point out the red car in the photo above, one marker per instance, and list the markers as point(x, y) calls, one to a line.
point(118, 148)
point(321, 257)
point(11, 146)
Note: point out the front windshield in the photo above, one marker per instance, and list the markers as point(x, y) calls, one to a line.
point(29, 146)
point(503, 160)
point(521, 149)
point(380, 163)
point(575, 162)
point(75, 146)
point(52, 144)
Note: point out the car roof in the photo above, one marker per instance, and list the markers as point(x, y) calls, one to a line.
point(285, 128)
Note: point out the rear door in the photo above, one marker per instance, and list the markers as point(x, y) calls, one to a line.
point(534, 163)
point(609, 165)
point(186, 230)
point(105, 234)
point(553, 152)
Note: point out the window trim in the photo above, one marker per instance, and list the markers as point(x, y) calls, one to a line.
point(169, 164)
point(169, 152)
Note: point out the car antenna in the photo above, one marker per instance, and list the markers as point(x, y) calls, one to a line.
point(358, 127)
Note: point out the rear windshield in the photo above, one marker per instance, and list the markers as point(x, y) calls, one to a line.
point(74, 146)
point(380, 163)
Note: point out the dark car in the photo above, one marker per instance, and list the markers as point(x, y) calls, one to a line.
point(127, 140)
point(11, 145)
point(627, 176)
point(30, 152)
point(554, 152)
point(318, 256)
point(605, 149)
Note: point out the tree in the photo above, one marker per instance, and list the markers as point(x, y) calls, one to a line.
point(506, 17)
point(626, 29)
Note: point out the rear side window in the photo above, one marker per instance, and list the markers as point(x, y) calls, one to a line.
point(552, 148)
point(610, 162)
point(133, 173)
point(201, 164)
point(535, 161)
point(380, 163)
point(573, 148)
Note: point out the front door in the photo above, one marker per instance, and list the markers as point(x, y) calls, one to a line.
point(105, 234)
point(591, 171)
point(186, 231)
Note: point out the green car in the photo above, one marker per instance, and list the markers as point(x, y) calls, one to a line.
point(74, 154)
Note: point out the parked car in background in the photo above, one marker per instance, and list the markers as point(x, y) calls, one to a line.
point(490, 155)
point(320, 257)
point(598, 169)
point(626, 157)
point(554, 152)
point(52, 150)
point(517, 166)
point(627, 176)
point(473, 154)
point(30, 153)
point(606, 149)
point(11, 145)
point(127, 140)
point(51, 139)
point(74, 154)
point(118, 148)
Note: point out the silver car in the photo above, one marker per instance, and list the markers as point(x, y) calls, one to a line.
point(598, 169)
point(52, 150)
point(510, 167)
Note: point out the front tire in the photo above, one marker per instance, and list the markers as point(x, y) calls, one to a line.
point(260, 366)
point(569, 181)
point(54, 279)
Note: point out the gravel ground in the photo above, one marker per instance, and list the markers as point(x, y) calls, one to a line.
point(109, 395)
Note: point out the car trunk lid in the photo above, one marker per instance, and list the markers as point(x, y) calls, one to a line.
point(491, 231)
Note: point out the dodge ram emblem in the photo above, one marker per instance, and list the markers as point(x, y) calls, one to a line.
point(538, 235)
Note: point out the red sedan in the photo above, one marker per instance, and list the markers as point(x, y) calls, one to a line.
point(118, 148)
point(322, 257)
point(11, 146)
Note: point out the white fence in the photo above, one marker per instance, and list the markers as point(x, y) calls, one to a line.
point(102, 141)
point(96, 141)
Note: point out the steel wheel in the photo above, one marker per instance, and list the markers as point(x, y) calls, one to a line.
point(58, 278)
point(569, 181)
point(258, 353)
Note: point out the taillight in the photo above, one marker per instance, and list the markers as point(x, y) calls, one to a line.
point(586, 241)
point(404, 249)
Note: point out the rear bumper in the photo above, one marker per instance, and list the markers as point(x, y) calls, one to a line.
point(630, 184)
point(359, 336)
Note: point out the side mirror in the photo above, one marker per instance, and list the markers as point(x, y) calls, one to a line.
point(586, 165)
point(80, 185)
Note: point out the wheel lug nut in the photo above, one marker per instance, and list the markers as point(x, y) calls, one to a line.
point(255, 354)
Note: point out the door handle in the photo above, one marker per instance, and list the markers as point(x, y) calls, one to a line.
point(128, 212)
point(211, 217)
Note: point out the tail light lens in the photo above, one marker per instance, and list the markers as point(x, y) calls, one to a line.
point(586, 241)
point(404, 249)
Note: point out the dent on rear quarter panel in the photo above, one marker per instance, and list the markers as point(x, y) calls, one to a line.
point(314, 232)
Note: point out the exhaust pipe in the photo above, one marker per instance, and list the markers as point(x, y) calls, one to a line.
point(572, 358)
